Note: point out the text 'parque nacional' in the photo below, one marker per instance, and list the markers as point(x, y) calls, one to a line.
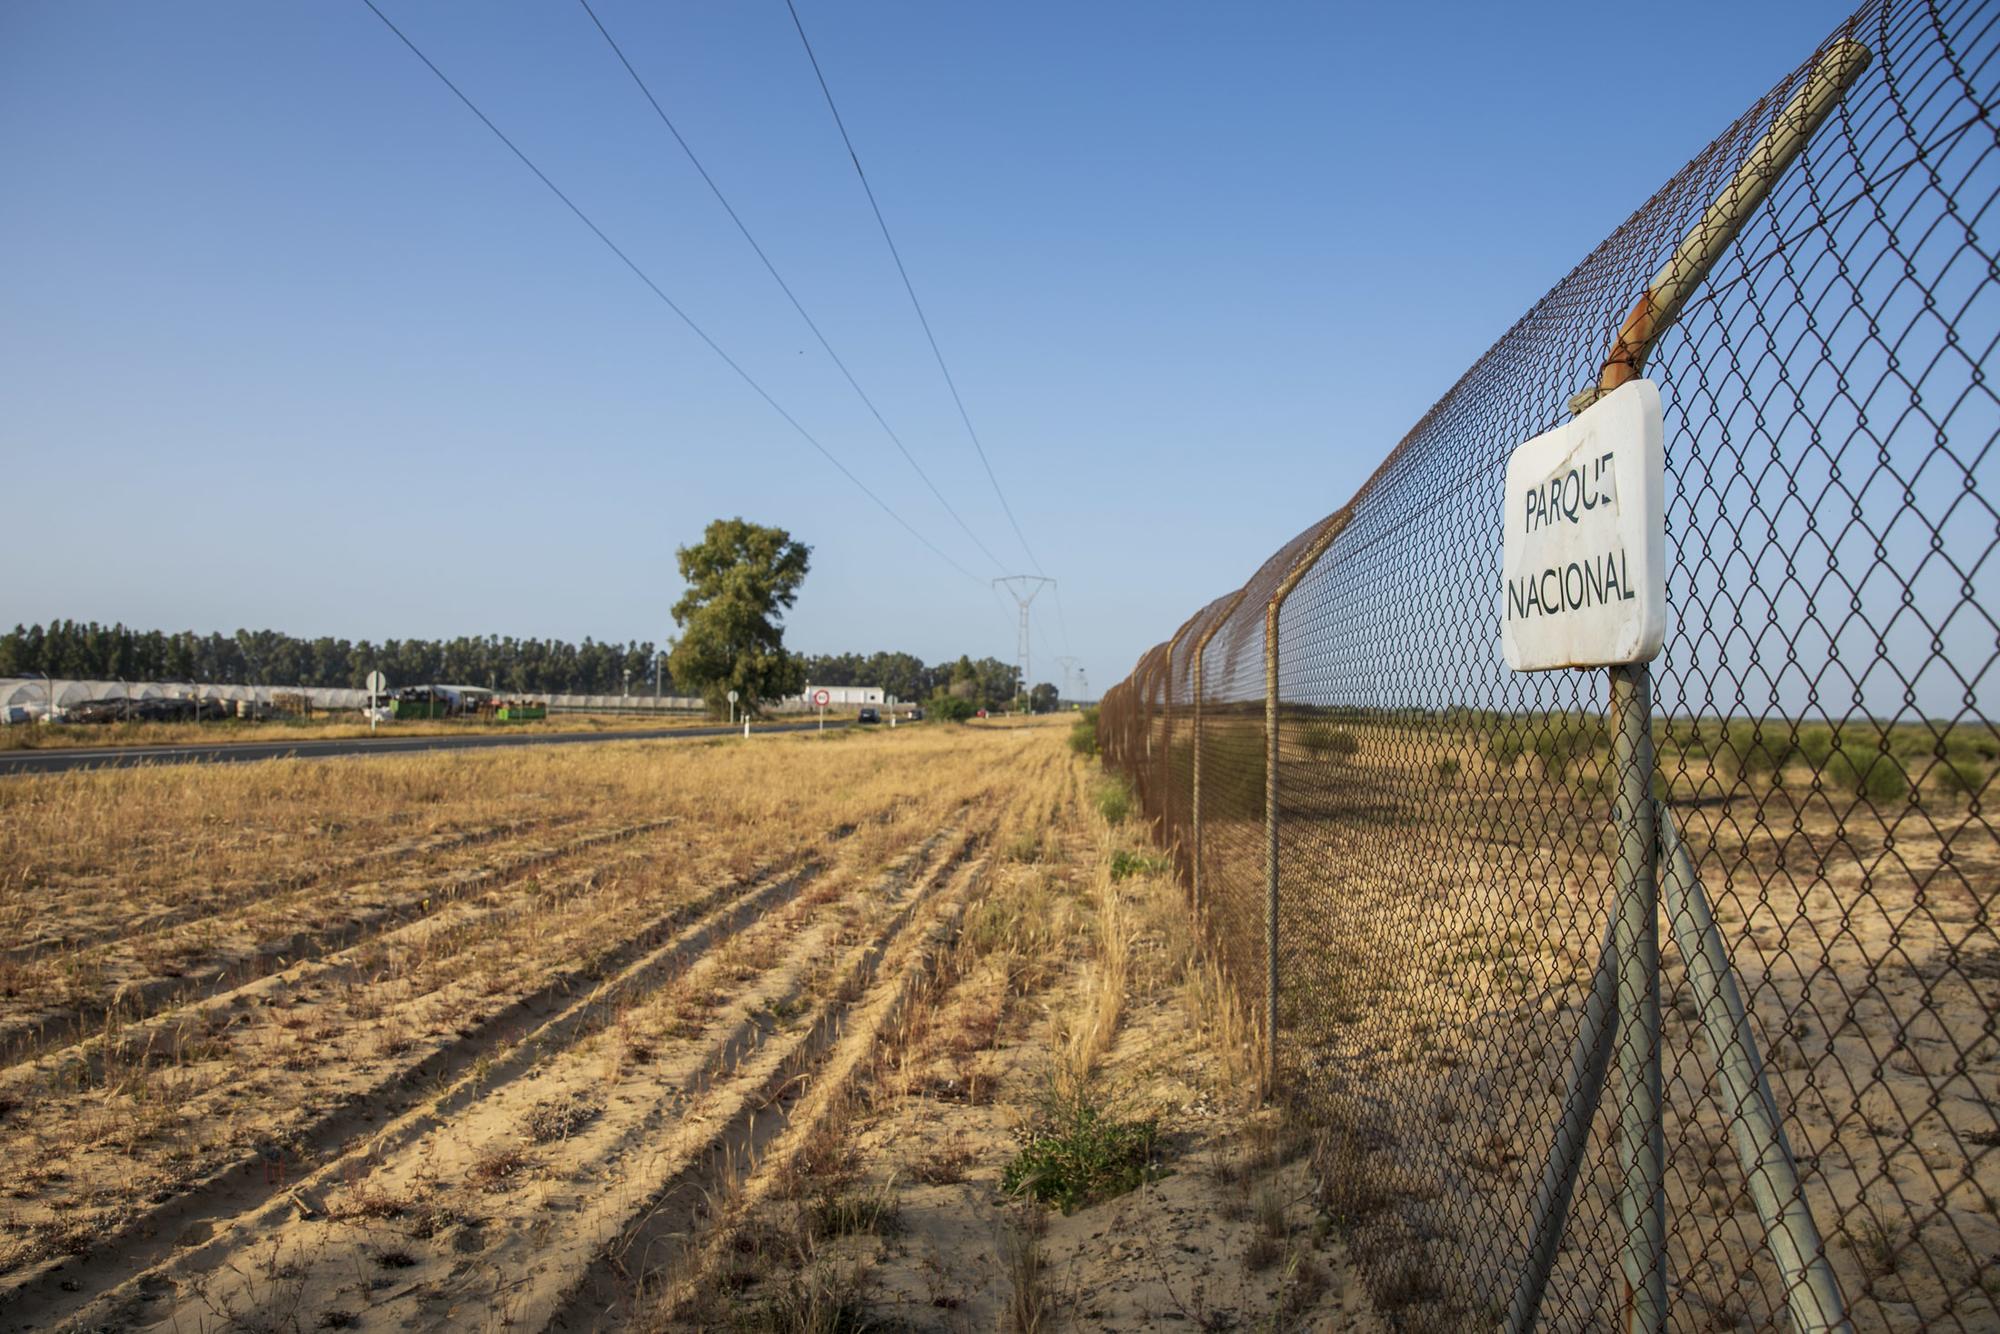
point(1583, 563)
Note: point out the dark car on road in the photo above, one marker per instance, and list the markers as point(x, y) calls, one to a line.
point(871, 715)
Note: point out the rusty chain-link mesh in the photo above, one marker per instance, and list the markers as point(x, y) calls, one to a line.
point(1823, 721)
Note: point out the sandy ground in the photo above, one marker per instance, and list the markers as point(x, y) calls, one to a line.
point(885, 1205)
point(1437, 943)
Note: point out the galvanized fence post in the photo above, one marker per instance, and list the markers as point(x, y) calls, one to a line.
point(1812, 1295)
point(1641, 1132)
point(1201, 648)
point(1194, 797)
point(1271, 844)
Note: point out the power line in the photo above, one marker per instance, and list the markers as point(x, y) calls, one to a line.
point(776, 277)
point(915, 304)
point(657, 291)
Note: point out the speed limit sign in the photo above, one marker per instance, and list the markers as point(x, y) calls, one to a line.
point(821, 698)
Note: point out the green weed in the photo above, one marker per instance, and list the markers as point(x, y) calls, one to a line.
point(1083, 733)
point(1125, 864)
point(1114, 799)
point(1078, 1153)
point(1874, 775)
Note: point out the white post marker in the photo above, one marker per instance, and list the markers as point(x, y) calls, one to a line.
point(820, 697)
point(1584, 569)
point(377, 683)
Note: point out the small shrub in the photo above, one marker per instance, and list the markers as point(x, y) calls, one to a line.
point(1959, 778)
point(1506, 746)
point(1447, 770)
point(1975, 745)
point(946, 708)
point(1325, 741)
point(1559, 741)
point(1125, 864)
point(1766, 754)
point(1114, 800)
point(1083, 733)
point(1818, 744)
point(1078, 1154)
point(1874, 775)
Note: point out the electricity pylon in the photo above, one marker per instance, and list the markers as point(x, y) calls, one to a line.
point(1070, 670)
point(1024, 587)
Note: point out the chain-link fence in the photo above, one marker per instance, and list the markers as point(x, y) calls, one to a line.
point(1412, 854)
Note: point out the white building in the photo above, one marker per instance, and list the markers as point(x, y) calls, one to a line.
point(845, 697)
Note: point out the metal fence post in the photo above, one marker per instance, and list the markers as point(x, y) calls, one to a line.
point(1589, 1061)
point(1812, 1295)
point(1271, 844)
point(1201, 648)
point(1194, 797)
point(1642, 1148)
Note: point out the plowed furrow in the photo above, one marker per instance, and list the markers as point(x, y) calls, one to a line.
point(630, 1275)
point(502, 1045)
point(650, 1120)
point(66, 933)
point(209, 971)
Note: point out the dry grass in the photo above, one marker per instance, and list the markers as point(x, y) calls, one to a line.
point(263, 945)
point(335, 727)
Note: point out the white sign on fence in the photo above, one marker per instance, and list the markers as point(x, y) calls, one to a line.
point(1583, 569)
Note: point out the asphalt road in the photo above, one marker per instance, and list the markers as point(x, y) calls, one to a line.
point(242, 752)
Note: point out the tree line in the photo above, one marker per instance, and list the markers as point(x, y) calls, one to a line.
point(86, 650)
point(90, 651)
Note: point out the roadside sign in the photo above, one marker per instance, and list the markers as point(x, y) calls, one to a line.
point(821, 698)
point(1583, 565)
point(377, 685)
point(733, 697)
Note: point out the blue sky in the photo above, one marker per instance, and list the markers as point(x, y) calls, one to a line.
point(292, 341)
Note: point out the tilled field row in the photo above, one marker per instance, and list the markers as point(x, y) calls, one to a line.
point(62, 1000)
point(233, 1088)
point(502, 1197)
point(101, 911)
point(181, 1110)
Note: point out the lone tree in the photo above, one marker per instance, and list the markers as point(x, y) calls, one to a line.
point(742, 578)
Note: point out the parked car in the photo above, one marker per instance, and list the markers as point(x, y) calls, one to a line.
point(871, 715)
point(916, 715)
